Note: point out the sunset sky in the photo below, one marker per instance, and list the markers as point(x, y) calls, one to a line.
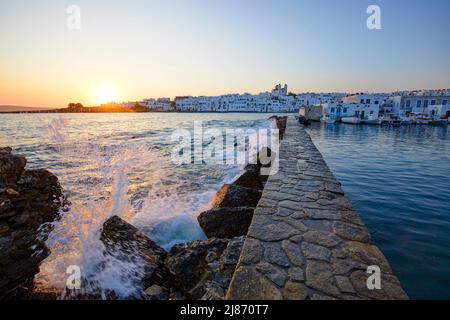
point(131, 50)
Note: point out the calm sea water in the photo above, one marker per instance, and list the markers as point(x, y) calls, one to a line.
point(398, 179)
point(399, 182)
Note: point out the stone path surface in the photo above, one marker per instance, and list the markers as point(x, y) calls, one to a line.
point(306, 241)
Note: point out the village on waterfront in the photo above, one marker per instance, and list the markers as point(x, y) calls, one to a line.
point(396, 108)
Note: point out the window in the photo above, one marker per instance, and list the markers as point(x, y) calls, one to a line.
point(332, 110)
point(433, 102)
point(408, 103)
point(361, 101)
point(371, 112)
point(425, 103)
point(345, 110)
point(444, 102)
point(376, 102)
point(419, 104)
point(367, 101)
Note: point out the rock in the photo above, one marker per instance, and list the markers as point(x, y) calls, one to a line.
point(274, 254)
point(296, 274)
point(230, 257)
point(304, 121)
point(156, 292)
point(320, 277)
point(266, 229)
point(11, 192)
point(344, 284)
point(251, 179)
point(230, 196)
point(294, 291)
point(294, 252)
point(204, 268)
point(188, 263)
point(351, 232)
point(126, 243)
point(390, 287)
point(24, 207)
point(213, 291)
point(226, 222)
point(275, 274)
point(252, 286)
point(11, 166)
point(281, 123)
point(313, 251)
point(322, 238)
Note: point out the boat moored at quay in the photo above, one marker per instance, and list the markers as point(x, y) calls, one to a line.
point(407, 108)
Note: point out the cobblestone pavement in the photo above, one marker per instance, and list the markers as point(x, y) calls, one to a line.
point(306, 241)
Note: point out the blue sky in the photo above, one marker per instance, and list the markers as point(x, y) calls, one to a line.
point(168, 48)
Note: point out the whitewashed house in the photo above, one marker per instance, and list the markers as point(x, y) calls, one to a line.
point(362, 111)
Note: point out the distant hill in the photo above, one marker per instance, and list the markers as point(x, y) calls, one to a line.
point(22, 108)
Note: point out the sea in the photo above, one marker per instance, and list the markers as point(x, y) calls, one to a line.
point(398, 179)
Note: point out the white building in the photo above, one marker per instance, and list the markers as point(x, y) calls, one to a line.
point(160, 104)
point(277, 100)
point(432, 102)
point(359, 110)
point(317, 99)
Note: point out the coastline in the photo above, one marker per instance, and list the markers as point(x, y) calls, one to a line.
point(216, 256)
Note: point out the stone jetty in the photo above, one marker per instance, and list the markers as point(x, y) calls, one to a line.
point(305, 240)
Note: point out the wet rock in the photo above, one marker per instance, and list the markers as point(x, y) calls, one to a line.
point(251, 178)
point(226, 222)
point(28, 199)
point(230, 257)
point(230, 196)
point(351, 232)
point(213, 291)
point(188, 263)
point(281, 124)
point(204, 268)
point(156, 292)
point(11, 166)
point(126, 243)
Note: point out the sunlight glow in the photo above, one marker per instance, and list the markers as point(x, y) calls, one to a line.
point(105, 94)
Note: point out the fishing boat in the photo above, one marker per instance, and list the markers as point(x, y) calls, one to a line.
point(352, 120)
point(372, 120)
point(327, 119)
point(405, 120)
point(422, 119)
point(391, 120)
point(438, 122)
point(396, 121)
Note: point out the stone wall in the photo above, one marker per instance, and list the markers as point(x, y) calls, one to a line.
point(306, 241)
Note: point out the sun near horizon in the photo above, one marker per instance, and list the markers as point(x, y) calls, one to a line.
point(105, 94)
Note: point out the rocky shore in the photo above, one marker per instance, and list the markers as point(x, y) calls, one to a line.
point(199, 269)
point(28, 200)
point(196, 270)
